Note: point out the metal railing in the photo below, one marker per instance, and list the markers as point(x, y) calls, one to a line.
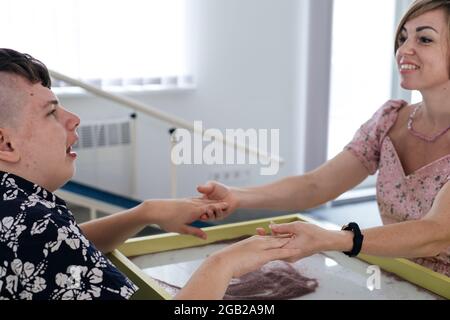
point(163, 116)
point(155, 113)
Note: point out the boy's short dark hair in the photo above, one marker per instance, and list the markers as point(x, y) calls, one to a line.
point(24, 65)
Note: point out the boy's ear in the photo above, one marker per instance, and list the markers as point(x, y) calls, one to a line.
point(8, 152)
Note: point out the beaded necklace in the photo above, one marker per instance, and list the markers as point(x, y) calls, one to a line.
point(420, 135)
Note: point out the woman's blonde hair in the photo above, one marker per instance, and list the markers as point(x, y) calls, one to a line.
point(418, 8)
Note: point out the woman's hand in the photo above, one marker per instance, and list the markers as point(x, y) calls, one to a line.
point(176, 215)
point(220, 192)
point(310, 239)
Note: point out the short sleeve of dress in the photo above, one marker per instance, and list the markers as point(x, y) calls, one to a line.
point(367, 141)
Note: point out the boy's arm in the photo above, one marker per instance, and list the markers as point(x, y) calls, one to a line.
point(171, 215)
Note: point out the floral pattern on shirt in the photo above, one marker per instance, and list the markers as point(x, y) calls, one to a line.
point(43, 252)
point(400, 197)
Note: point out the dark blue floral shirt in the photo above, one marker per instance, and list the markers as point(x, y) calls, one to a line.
point(43, 252)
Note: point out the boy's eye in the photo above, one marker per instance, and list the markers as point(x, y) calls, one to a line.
point(53, 112)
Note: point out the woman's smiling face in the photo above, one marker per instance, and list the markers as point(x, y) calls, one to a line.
point(423, 53)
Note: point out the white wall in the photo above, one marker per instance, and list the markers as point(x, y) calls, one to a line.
point(245, 58)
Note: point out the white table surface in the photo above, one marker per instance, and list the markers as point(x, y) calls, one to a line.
point(339, 276)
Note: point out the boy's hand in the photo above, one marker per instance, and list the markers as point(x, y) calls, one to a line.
point(176, 215)
point(252, 253)
point(220, 192)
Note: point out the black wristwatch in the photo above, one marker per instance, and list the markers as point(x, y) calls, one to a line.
point(357, 238)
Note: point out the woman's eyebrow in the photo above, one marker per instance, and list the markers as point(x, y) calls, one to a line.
point(418, 29)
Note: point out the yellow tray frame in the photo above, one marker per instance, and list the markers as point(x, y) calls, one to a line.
point(149, 289)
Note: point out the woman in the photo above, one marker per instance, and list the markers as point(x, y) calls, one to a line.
point(408, 144)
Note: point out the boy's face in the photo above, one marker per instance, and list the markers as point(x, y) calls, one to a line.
point(43, 138)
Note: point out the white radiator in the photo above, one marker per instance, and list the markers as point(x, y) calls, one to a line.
point(106, 155)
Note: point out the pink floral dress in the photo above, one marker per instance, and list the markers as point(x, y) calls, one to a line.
point(400, 197)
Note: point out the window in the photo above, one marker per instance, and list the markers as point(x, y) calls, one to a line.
point(133, 42)
point(361, 68)
point(363, 73)
point(416, 97)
